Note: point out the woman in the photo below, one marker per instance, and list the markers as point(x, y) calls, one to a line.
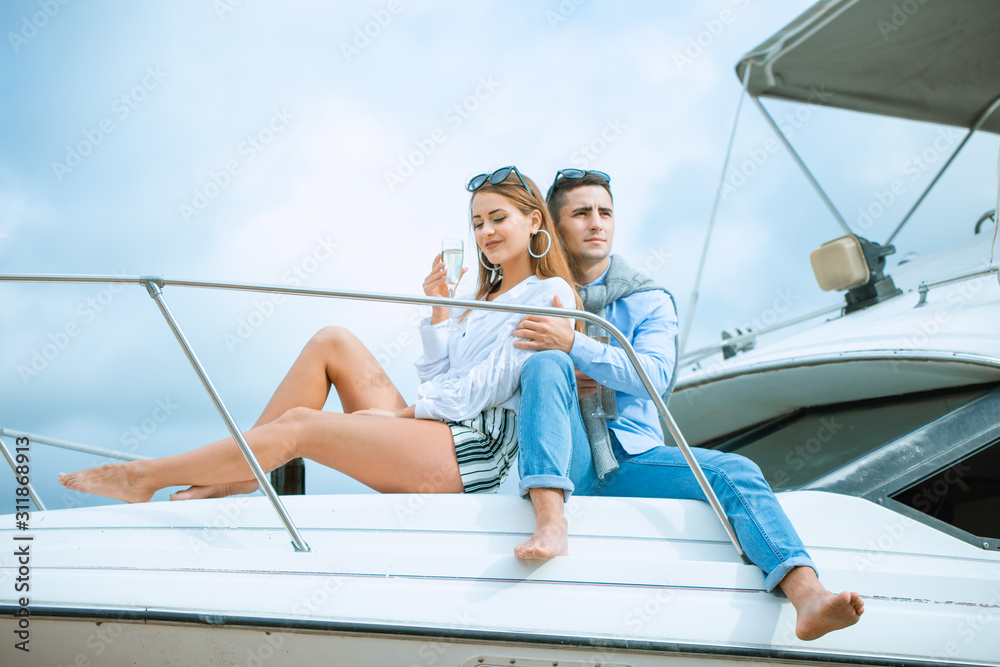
point(458, 436)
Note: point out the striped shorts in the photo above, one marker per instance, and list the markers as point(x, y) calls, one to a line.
point(486, 446)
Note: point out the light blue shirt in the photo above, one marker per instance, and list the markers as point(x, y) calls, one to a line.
point(649, 321)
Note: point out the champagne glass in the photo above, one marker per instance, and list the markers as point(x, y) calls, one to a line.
point(452, 254)
point(598, 333)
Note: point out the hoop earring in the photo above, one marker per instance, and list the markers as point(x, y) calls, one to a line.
point(547, 248)
point(492, 269)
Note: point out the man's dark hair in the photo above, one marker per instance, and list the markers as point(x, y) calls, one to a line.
point(556, 195)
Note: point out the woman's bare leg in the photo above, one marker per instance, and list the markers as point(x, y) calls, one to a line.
point(386, 454)
point(389, 455)
point(333, 357)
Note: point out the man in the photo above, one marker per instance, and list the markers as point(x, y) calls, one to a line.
point(556, 455)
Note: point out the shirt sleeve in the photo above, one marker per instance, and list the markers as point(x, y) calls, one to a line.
point(434, 361)
point(653, 338)
point(494, 379)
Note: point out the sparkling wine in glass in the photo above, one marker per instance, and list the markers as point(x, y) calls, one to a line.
point(601, 336)
point(452, 254)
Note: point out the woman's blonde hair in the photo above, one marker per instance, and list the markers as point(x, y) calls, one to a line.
point(554, 263)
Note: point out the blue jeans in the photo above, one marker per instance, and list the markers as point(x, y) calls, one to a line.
point(555, 454)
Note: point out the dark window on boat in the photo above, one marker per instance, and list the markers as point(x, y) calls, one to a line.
point(966, 495)
point(797, 448)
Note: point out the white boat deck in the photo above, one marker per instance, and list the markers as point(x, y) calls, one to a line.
point(656, 576)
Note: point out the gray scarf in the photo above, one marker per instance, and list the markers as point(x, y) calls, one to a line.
point(621, 281)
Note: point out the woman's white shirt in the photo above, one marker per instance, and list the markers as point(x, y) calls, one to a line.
point(472, 368)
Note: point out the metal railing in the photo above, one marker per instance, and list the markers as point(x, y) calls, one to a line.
point(155, 284)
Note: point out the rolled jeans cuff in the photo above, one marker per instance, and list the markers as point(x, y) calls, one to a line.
point(546, 482)
point(777, 574)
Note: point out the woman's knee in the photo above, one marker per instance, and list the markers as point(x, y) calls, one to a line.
point(333, 337)
point(291, 425)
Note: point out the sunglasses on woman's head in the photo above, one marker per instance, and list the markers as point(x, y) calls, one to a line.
point(496, 178)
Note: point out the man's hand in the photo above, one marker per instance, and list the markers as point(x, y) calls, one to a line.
point(585, 384)
point(540, 332)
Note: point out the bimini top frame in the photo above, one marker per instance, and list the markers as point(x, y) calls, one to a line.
point(939, 63)
point(155, 285)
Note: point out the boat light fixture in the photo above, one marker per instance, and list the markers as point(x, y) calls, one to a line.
point(854, 264)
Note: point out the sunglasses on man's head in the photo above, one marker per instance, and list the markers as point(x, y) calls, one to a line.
point(496, 178)
point(572, 175)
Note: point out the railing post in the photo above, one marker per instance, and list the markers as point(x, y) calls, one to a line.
point(154, 287)
point(13, 468)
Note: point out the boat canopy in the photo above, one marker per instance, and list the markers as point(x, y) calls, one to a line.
point(929, 61)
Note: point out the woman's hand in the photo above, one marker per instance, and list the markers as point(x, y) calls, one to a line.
point(436, 285)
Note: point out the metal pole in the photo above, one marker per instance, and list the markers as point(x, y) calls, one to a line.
point(803, 167)
point(13, 467)
point(972, 130)
point(153, 286)
point(682, 343)
point(63, 444)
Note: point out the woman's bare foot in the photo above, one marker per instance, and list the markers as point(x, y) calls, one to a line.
point(817, 610)
point(115, 480)
point(547, 542)
point(216, 490)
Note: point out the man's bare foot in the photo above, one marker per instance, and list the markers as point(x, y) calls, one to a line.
point(550, 537)
point(115, 480)
point(826, 613)
point(817, 610)
point(216, 490)
point(547, 542)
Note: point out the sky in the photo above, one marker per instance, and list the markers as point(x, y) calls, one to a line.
point(328, 144)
